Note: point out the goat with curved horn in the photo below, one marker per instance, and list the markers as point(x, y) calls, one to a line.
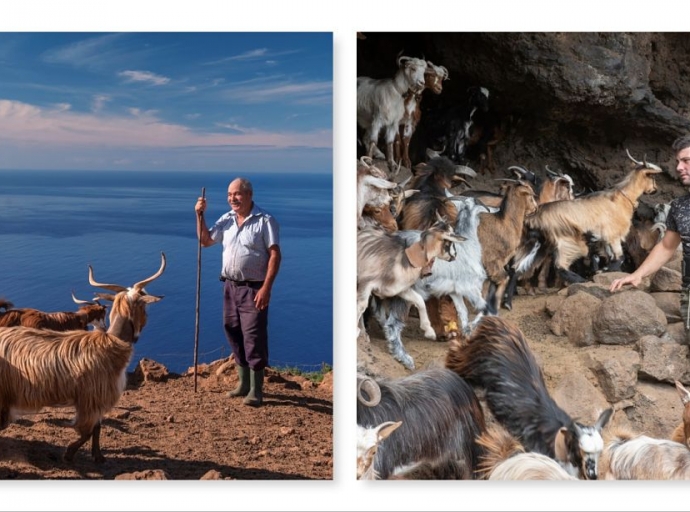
point(523, 173)
point(631, 158)
point(368, 391)
point(137, 287)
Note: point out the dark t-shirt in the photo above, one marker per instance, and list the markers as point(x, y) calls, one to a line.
point(678, 220)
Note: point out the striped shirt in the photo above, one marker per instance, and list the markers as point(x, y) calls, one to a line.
point(245, 248)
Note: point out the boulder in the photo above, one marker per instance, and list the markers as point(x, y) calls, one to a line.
point(575, 310)
point(669, 303)
point(666, 280)
point(626, 316)
point(662, 360)
point(616, 373)
point(676, 332)
point(150, 371)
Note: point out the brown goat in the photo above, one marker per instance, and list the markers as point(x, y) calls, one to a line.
point(500, 234)
point(88, 313)
point(84, 370)
point(431, 180)
point(604, 216)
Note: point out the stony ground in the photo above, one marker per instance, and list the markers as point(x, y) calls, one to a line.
point(164, 430)
point(655, 411)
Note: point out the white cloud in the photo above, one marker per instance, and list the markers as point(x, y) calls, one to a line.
point(92, 52)
point(99, 101)
point(25, 124)
point(195, 115)
point(308, 92)
point(259, 53)
point(235, 127)
point(144, 76)
point(62, 107)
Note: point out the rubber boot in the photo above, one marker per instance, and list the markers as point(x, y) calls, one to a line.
point(255, 396)
point(243, 386)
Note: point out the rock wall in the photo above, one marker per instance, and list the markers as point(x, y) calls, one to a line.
point(573, 101)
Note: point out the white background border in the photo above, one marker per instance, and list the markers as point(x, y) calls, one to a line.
point(343, 19)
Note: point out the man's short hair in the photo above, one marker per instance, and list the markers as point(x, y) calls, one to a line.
point(245, 185)
point(681, 143)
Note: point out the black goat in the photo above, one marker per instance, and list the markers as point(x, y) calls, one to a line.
point(497, 358)
point(441, 417)
point(448, 129)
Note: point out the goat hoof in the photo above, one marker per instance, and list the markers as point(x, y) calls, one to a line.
point(431, 335)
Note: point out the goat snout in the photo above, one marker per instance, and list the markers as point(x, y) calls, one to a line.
point(590, 469)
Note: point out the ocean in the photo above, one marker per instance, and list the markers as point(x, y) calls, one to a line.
point(53, 224)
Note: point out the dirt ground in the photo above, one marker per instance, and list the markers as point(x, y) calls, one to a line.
point(164, 430)
point(556, 355)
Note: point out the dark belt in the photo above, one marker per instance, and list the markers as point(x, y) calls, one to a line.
point(242, 283)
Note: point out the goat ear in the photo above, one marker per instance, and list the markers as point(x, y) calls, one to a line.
point(603, 419)
point(385, 429)
point(416, 255)
point(560, 445)
point(105, 296)
point(148, 299)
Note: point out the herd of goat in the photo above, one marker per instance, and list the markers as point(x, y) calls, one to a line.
point(54, 360)
point(422, 244)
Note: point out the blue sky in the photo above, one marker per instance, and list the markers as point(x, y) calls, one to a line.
point(210, 101)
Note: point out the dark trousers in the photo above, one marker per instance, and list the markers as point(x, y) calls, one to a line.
point(245, 326)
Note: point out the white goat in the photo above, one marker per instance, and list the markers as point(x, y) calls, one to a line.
point(388, 267)
point(433, 80)
point(86, 370)
point(461, 278)
point(373, 188)
point(381, 106)
point(627, 456)
point(368, 441)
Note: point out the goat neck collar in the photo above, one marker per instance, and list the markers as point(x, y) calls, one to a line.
point(633, 203)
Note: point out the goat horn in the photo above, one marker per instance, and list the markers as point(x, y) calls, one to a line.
point(507, 179)
point(112, 287)
point(631, 158)
point(79, 301)
point(138, 286)
point(552, 173)
point(403, 184)
point(660, 227)
point(372, 390)
point(523, 173)
point(366, 160)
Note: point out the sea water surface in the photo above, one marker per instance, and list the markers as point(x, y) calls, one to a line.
point(53, 224)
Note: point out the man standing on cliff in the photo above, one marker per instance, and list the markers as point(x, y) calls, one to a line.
point(251, 259)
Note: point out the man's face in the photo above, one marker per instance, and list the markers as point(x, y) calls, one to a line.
point(239, 200)
point(683, 166)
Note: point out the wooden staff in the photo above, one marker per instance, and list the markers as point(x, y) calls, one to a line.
point(198, 292)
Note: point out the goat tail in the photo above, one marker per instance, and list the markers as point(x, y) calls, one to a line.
point(6, 304)
point(498, 446)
